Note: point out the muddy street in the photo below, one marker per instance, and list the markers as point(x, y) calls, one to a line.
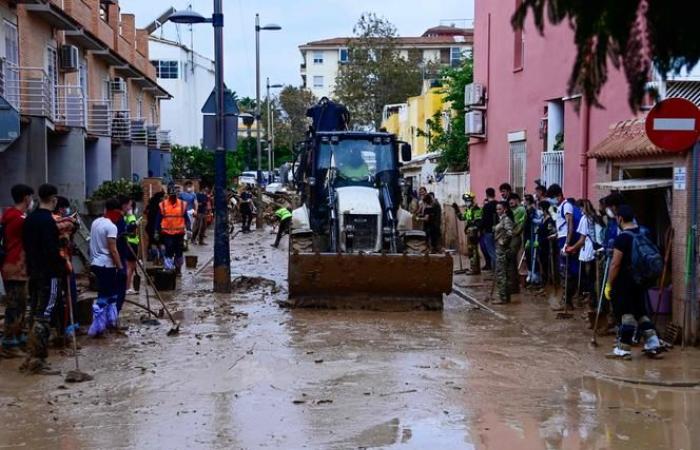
point(247, 373)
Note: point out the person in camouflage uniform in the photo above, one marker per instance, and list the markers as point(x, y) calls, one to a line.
point(502, 233)
point(516, 243)
point(472, 217)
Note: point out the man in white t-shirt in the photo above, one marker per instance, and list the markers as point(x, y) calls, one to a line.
point(568, 262)
point(104, 256)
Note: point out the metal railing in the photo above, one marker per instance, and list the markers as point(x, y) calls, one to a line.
point(152, 136)
point(29, 89)
point(138, 130)
point(121, 124)
point(552, 168)
point(165, 141)
point(99, 117)
point(70, 106)
point(9, 83)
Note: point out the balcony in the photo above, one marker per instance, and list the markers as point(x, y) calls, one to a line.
point(152, 136)
point(138, 130)
point(99, 121)
point(302, 68)
point(552, 168)
point(29, 90)
point(165, 141)
point(121, 125)
point(70, 106)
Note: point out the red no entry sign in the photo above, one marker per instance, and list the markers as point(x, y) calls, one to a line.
point(673, 124)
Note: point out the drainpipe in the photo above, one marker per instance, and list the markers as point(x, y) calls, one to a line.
point(585, 141)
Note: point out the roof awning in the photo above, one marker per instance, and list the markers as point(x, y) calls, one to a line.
point(52, 15)
point(626, 139)
point(635, 184)
point(127, 71)
point(84, 39)
point(108, 56)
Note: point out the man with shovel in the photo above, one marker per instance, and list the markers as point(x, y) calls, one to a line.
point(472, 220)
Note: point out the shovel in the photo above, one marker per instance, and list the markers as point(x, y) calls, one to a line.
point(566, 314)
point(75, 375)
point(461, 270)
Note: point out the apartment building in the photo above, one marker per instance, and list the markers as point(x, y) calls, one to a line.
point(79, 101)
point(321, 60)
point(186, 74)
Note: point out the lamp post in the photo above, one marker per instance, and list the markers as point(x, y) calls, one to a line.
point(258, 28)
point(270, 129)
point(222, 256)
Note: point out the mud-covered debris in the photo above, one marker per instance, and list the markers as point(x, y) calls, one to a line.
point(324, 402)
point(318, 361)
point(247, 284)
point(298, 402)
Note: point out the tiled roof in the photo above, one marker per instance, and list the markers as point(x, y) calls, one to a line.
point(401, 41)
point(626, 139)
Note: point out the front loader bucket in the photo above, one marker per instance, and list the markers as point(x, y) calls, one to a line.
point(360, 281)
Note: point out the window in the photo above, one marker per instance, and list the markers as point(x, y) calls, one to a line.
point(456, 56)
point(518, 158)
point(318, 57)
point(318, 81)
point(343, 55)
point(11, 82)
point(166, 69)
point(518, 45)
point(52, 72)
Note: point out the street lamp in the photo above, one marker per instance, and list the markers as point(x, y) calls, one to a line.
point(270, 129)
point(222, 256)
point(258, 28)
point(248, 120)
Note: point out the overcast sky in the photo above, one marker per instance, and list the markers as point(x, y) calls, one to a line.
point(302, 21)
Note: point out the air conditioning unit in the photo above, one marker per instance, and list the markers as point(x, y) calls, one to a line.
point(474, 94)
point(69, 58)
point(118, 85)
point(474, 123)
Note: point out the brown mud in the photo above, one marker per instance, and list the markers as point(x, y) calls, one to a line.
point(245, 373)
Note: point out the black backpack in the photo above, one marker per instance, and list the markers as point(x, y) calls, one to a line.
point(646, 260)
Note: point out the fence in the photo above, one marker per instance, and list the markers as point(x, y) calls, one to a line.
point(121, 124)
point(99, 117)
point(552, 168)
point(70, 106)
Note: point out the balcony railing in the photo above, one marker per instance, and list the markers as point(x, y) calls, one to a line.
point(552, 168)
point(70, 106)
point(99, 117)
point(28, 89)
point(152, 136)
point(164, 138)
point(138, 130)
point(121, 125)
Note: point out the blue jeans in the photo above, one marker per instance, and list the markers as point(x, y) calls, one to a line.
point(570, 276)
point(106, 282)
point(488, 248)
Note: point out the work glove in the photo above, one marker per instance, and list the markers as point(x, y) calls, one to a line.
point(527, 244)
point(607, 291)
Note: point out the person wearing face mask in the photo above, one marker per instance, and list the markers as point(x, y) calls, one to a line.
point(14, 270)
point(47, 268)
point(67, 225)
point(472, 217)
point(502, 233)
point(132, 240)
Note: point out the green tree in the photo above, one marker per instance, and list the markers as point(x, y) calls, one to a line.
point(194, 162)
point(446, 134)
point(376, 74)
point(294, 102)
point(634, 35)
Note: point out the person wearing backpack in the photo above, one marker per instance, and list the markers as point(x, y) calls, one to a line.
point(636, 262)
point(589, 242)
point(14, 270)
point(567, 219)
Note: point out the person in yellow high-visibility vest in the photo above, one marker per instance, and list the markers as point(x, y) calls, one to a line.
point(284, 215)
point(132, 240)
point(173, 225)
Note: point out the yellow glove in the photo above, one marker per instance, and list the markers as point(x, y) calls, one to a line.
point(608, 291)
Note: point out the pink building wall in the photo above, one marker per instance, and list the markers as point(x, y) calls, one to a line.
point(516, 99)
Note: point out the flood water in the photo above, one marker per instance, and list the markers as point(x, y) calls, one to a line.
point(246, 373)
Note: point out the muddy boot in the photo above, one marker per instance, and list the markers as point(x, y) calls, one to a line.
point(561, 306)
point(37, 366)
point(652, 345)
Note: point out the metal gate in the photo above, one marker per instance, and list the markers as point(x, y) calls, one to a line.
point(553, 168)
point(518, 158)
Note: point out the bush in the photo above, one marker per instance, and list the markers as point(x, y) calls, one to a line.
point(110, 189)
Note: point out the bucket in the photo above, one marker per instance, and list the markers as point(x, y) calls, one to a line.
point(191, 261)
point(660, 301)
point(165, 280)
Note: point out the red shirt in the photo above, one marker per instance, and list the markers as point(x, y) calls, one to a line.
point(14, 267)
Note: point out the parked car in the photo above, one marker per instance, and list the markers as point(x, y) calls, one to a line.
point(248, 177)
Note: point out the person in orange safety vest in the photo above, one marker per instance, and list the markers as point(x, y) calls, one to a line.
point(172, 225)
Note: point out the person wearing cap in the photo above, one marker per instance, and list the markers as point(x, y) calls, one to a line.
point(472, 216)
point(173, 226)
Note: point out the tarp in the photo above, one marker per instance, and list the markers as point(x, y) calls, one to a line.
point(635, 184)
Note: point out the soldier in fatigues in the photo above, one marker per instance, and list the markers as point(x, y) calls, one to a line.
point(472, 217)
point(502, 233)
point(516, 243)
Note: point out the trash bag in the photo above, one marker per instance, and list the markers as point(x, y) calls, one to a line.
point(112, 315)
point(99, 319)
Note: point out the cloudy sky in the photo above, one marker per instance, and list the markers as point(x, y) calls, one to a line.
point(302, 21)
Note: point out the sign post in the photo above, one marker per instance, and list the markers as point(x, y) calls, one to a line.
point(674, 126)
